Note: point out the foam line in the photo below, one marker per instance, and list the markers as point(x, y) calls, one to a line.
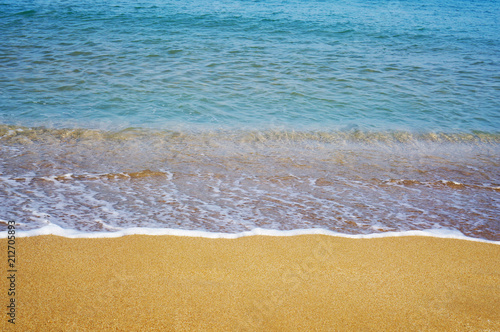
point(53, 229)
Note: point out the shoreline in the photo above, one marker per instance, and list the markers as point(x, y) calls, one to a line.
point(254, 283)
point(56, 230)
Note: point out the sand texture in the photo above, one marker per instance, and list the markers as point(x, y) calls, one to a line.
point(258, 283)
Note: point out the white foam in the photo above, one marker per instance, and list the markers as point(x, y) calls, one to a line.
point(53, 229)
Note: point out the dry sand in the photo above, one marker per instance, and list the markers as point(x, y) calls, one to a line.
point(309, 282)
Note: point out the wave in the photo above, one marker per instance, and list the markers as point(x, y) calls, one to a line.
point(235, 181)
point(71, 233)
point(27, 135)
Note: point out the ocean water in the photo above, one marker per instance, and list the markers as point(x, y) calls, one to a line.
point(354, 117)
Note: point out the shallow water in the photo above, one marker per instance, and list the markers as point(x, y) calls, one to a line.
point(238, 181)
point(352, 116)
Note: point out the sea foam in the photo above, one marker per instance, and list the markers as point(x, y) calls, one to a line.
point(56, 230)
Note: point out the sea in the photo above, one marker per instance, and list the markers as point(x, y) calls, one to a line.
point(227, 117)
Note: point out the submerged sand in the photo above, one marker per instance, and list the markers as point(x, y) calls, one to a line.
point(261, 283)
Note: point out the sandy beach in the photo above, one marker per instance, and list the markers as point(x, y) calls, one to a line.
point(258, 283)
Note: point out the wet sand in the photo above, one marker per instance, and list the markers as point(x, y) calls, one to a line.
point(308, 282)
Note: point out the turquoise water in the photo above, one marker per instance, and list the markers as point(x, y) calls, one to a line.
point(301, 65)
point(352, 116)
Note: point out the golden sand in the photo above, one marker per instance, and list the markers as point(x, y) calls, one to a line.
point(306, 283)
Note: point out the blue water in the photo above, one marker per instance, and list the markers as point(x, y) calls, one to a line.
point(356, 117)
point(427, 66)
